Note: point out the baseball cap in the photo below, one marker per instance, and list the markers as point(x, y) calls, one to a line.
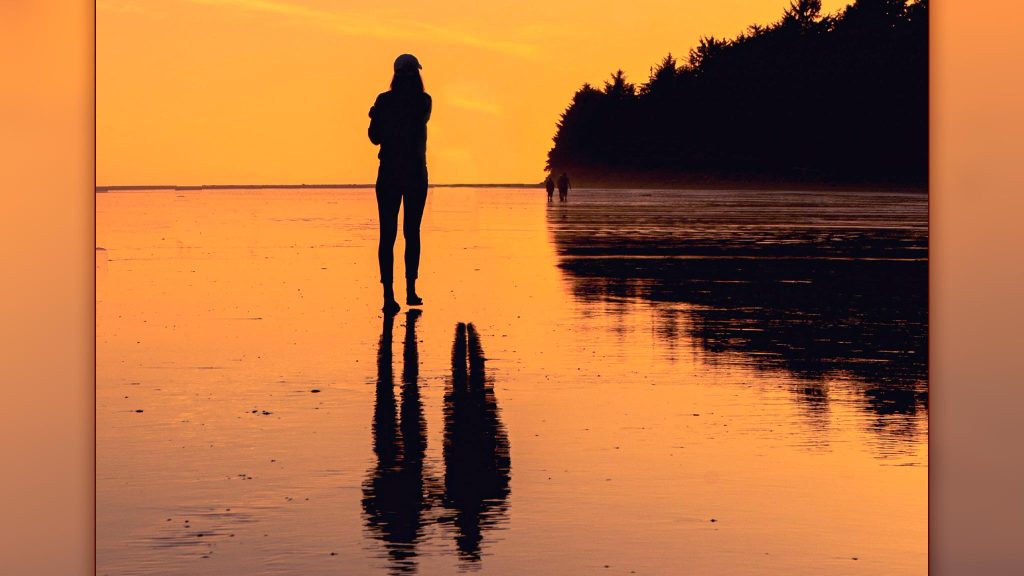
point(407, 61)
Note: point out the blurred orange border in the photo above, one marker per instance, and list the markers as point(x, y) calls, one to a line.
point(47, 165)
point(46, 170)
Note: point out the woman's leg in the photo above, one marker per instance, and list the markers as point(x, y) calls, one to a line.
point(388, 201)
point(415, 201)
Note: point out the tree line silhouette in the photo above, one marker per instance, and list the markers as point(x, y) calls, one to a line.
point(814, 98)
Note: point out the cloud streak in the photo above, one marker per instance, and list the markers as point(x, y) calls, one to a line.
point(353, 24)
point(475, 105)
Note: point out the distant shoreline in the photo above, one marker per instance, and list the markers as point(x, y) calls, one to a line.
point(289, 186)
point(581, 185)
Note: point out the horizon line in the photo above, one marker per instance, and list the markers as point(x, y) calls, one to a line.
point(119, 187)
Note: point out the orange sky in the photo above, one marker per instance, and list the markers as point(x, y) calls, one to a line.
point(277, 91)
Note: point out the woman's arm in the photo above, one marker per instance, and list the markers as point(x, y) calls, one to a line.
point(374, 131)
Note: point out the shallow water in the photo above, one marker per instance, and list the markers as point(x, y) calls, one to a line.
point(654, 383)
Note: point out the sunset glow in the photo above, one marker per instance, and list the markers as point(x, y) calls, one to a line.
point(277, 91)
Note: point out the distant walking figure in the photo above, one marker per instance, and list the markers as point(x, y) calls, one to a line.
point(398, 124)
point(549, 185)
point(563, 187)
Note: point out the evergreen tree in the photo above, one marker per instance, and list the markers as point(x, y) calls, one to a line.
point(825, 98)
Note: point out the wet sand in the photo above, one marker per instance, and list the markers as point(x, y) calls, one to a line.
point(657, 383)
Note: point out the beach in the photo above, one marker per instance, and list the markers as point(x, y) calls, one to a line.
point(699, 382)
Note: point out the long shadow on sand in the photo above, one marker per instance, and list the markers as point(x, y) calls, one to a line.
point(476, 448)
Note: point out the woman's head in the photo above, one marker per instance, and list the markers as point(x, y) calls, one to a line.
point(407, 74)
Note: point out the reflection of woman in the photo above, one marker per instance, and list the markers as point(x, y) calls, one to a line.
point(398, 123)
point(394, 499)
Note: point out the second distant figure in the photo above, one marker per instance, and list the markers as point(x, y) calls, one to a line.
point(398, 124)
point(563, 187)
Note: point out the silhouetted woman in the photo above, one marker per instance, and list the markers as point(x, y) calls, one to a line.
point(398, 123)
